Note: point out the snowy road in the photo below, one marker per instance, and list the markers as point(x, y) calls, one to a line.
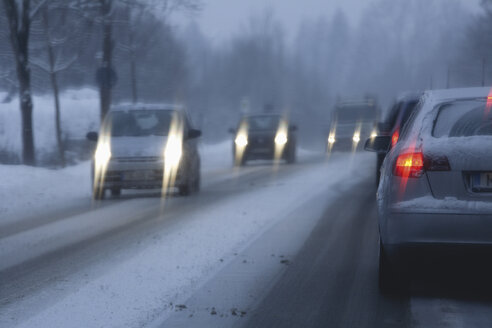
point(262, 246)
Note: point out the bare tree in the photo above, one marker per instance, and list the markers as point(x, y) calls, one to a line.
point(20, 15)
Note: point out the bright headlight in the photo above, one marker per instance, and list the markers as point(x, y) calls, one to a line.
point(241, 140)
point(281, 138)
point(331, 139)
point(374, 134)
point(356, 137)
point(103, 154)
point(173, 152)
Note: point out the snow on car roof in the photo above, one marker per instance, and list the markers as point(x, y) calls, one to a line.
point(458, 93)
point(140, 106)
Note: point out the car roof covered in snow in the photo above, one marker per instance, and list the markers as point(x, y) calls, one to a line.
point(127, 107)
point(438, 96)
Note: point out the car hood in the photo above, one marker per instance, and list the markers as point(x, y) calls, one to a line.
point(148, 146)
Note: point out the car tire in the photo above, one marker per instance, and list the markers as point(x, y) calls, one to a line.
point(98, 194)
point(392, 278)
point(197, 183)
point(291, 157)
point(116, 192)
point(186, 188)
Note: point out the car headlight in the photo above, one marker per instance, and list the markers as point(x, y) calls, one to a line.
point(281, 138)
point(241, 140)
point(356, 137)
point(331, 139)
point(102, 154)
point(173, 152)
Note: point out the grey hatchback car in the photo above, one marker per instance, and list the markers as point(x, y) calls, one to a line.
point(436, 182)
point(145, 147)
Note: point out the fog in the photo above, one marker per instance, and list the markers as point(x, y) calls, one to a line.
point(224, 58)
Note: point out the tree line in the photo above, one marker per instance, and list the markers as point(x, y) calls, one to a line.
point(130, 51)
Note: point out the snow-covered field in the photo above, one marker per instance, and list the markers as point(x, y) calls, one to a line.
point(79, 115)
point(140, 286)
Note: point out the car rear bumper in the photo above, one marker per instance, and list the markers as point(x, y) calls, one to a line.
point(407, 229)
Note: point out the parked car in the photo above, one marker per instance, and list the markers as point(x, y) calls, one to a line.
point(436, 182)
point(352, 121)
point(264, 136)
point(144, 147)
point(394, 122)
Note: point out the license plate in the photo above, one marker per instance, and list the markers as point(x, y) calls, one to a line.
point(482, 182)
point(136, 175)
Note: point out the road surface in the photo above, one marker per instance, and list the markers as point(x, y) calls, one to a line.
point(288, 246)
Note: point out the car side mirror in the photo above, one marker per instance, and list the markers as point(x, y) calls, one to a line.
point(378, 144)
point(232, 131)
point(92, 136)
point(293, 128)
point(194, 133)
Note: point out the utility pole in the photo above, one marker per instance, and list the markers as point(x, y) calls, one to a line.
point(448, 77)
point(483, 71)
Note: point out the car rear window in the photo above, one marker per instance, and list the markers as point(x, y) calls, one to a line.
point(463, 119)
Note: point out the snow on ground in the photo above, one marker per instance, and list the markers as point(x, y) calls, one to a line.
point(26, 190)
point(79, 115)
point(173, 263)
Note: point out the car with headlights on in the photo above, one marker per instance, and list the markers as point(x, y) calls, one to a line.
point(435, 191)
point(264, 136)
point(352, 121)
point(145, 147)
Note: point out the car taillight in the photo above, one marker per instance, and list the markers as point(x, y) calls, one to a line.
point(395, 137)
point(413, 165)
point(410, 165)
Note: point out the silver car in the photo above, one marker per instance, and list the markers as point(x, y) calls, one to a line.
point(436, 182)
point(145, 147)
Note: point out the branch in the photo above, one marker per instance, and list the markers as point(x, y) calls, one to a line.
point(36, 9)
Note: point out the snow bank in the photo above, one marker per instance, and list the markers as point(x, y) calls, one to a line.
point(79, 114)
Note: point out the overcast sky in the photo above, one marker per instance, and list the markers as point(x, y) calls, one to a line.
point(222, 18)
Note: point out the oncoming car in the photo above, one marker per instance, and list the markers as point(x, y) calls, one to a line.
point(264, 136)
point(351, 122)
point(145, 147)
point(436, 181)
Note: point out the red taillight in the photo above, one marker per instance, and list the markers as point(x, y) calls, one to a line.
point(413, 165)
point(395, 137)
point(410, 165)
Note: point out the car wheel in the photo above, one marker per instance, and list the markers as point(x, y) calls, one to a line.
point(392, 279)
point(115, 192)
point(197, 183)
point(186, 188)
point(98, 194)
point(291, 157)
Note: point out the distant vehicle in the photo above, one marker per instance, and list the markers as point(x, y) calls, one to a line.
point(394, 123)
point(351, 122)
point(145, 147)
point(264, 136)
point(436, 182)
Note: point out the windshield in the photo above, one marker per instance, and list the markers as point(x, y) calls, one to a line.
point(354, 114)
point(140, 123)
point(463, 119)
point(263, 122)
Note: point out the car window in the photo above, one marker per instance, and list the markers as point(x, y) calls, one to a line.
point(263, 122)
point(140, 123)
point(463, 119)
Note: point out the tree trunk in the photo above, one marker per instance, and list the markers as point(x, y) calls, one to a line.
point(106, 85)
point(133, 73)
point(54, 85)
point(18, 14)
